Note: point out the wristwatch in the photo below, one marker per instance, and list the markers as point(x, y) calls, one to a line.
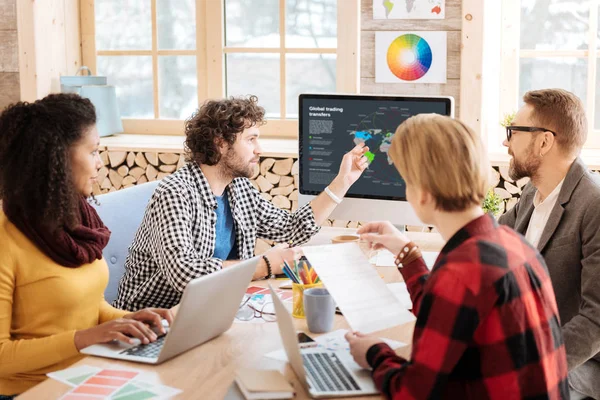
point(270, 274)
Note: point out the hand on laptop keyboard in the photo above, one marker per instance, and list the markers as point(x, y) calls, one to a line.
point(118, 329)
point(152, 317)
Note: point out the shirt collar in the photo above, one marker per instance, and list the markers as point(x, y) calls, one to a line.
point(480, 226)
point(203, 186)
point(205, 190)
point(550, 199)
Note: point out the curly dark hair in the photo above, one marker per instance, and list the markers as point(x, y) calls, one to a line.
point(35, 170)
point(218, 121)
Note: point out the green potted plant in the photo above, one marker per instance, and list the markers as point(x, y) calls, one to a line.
point(492, 203)
point(508, 119)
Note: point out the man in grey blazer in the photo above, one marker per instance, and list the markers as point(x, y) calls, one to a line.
point(559, 213)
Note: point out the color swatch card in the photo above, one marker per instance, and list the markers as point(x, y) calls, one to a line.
point(93, 383)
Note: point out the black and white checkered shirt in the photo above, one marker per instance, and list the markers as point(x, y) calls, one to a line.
point(176, 240)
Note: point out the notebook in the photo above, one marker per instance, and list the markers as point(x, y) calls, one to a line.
point(263, 384)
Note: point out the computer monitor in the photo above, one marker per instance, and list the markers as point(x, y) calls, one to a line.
point(332, 124)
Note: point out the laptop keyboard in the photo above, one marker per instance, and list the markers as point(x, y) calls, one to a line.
point(150, 350)
point(328, 373)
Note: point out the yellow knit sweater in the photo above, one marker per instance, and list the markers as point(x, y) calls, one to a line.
point(42, 304)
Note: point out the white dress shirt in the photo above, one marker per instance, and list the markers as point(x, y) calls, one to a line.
point(541, 213)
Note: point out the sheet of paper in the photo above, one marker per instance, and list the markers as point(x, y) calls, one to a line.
point(366, 302)
point(120, 384)
point(332, 341)
point(401, 292)
point(384, 258)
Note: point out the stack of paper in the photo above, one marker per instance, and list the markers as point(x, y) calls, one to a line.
point(263, 384)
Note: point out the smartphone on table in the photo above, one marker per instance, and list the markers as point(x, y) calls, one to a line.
point(305, 341)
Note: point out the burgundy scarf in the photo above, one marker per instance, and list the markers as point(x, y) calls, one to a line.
point(68, 247)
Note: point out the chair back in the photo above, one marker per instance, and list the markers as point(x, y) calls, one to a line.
point(122, 212)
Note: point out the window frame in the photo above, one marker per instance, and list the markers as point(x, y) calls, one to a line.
point(210, 54)
point(511, 54)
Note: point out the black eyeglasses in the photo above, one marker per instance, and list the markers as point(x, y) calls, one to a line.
point(511, 128)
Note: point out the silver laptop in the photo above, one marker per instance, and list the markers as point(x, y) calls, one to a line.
point(207, 309)
point(324, 374)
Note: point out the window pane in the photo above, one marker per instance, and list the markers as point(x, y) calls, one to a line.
point(252, 23)
point(176, 24)
point(256, 74)
point(598, 32)
point(133, 14)
point(597, 115)
point(320, 68)
point(566, 73)
point(178, 84)
point(554, 24)
point(132, 78)
point(311, 23)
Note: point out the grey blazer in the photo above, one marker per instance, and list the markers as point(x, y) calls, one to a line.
point(570, 244)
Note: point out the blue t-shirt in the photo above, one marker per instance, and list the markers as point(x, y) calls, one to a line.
point(225, 231)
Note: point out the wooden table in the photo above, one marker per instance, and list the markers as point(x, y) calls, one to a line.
point(207, 371)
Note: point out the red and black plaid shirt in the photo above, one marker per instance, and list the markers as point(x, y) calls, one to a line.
point(487, 324)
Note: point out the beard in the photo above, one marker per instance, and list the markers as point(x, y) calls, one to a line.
point(233, 166)
point(528, 168)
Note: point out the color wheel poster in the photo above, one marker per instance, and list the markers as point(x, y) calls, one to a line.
point(410, 57)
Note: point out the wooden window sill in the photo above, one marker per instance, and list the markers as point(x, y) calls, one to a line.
point(272, 147)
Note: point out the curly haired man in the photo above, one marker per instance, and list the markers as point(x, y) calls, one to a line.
point(207, 215)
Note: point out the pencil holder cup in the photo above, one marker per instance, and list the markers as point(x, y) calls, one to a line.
point(298, 298)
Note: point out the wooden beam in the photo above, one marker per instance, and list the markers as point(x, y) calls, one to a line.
point(272, 128)
point(295, 50)
point(48, 45)
point(214, 49)
point(88, 35)
point(282, 60)
point(201, 57)
point(72, 31)
point(348, 46)
point(471, 65)
point(156, 90)
point(27, 54)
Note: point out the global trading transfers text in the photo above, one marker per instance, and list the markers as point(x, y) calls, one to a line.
point(320, 111)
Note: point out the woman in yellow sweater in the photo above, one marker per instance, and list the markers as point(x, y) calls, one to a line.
point(52, 274)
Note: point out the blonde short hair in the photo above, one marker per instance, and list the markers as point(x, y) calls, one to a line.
point(444, 157)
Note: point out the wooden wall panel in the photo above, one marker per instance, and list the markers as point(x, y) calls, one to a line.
point(8, 15)
point(452, 24)
point(9, 51)
point(9, 54)
point(9, 88)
